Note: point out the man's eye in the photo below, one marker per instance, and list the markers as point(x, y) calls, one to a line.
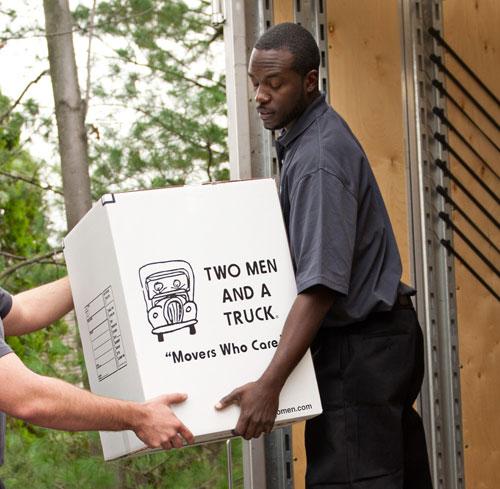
point(275, 85)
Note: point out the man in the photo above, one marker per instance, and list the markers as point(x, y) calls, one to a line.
point(351, 308)
point(55, 404)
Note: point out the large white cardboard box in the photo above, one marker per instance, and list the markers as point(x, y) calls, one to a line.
point(185, 289)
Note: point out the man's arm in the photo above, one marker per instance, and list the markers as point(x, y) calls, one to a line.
point(259, 400)
point(55, 404)
point(36, 308)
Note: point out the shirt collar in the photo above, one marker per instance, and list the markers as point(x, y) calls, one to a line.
point(317, 107)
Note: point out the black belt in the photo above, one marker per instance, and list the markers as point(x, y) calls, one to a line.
point(403, 302)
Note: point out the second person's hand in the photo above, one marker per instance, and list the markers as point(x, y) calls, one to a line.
point(258, 403)
point(158, 427)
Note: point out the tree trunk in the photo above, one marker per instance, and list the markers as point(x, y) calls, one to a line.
point(70, 116)
point(70, 113)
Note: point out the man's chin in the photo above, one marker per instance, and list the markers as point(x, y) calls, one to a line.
point(271, 126)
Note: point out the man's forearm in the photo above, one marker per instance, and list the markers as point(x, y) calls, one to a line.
point(300, 329)
point(38, 307)
point(62, 406)
point(53, 403)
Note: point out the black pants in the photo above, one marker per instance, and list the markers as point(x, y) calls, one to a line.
point(369, 436)
point(1, 484)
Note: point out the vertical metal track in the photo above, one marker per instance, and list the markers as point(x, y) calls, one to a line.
point(311, 14)
point(432, 267)
point(259, 17)
point(279, 459)
point(237, 93)
point(254, 464)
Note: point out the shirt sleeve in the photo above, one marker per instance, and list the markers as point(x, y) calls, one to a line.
point(5, 303)
point(322, 231)
point(4, 347)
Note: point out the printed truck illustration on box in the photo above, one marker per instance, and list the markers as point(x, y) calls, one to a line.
point(168, 289)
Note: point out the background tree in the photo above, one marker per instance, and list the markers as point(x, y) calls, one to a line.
point(171, 130)
point(162, 71)
point(69, 109)
point(26, 260)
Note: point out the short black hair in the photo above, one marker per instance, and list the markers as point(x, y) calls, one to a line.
point(297, 40)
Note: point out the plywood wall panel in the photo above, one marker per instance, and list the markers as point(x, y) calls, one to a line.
point(471, 28)
point(283, 11)
point(365, 88)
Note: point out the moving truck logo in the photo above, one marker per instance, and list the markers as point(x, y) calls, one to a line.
point(168, 289)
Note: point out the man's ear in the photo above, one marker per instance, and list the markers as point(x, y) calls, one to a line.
point(311, 81)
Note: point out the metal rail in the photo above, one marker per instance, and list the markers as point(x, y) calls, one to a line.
point(432, 265)
point(441, 138)
point(466, 264)
point(449, 175)
point(449, 125)
point(311, 14)
point(437, 36)
point(439, 63)
point(444, 193)
point(444, 93)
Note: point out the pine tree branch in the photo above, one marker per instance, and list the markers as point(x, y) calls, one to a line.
point(77, 28)
point(41, 34)
point(35, 259)
point(219, 32)
point(31, 182)
point(179, 76)
point(17, 102)
point(11, 256)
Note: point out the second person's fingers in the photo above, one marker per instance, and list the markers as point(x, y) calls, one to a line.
point(186, 434)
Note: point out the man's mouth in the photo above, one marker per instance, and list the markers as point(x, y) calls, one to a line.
point(265, 114)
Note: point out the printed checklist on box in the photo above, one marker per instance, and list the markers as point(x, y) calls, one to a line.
point(105, 335)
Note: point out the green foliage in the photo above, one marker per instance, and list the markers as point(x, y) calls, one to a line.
point(63, 460)
point(24, 234)
point(176, 133)
point(24, 228)
point(49, 459)
point(159, 73)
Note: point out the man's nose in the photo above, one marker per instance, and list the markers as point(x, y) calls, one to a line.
point(262, 96)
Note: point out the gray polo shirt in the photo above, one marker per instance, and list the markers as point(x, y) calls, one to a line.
point(5, 305)
point(339, 232)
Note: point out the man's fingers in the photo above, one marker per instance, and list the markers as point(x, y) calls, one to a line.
point(177, 441)
point(252, 430)
point(175, 398)
point(241, 427)
point(166, 445)
point(232, 398)
point(186, 434)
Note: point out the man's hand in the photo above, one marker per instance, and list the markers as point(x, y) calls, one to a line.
point(259, 405)
point(157, 426)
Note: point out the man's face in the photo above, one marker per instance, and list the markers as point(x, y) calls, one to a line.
point(280, 92)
